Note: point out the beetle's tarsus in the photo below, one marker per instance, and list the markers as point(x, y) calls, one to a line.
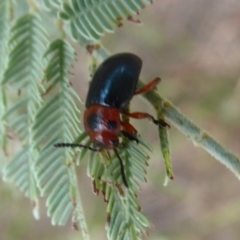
point(159, 122)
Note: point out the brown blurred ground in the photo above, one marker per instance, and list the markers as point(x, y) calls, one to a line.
point(194, 46)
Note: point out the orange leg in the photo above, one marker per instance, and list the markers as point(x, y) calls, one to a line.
point(150, 86)
point(141, 115)
point(127, 127)
point(129, 131)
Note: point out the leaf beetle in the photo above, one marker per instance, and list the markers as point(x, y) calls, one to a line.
point(111, 90)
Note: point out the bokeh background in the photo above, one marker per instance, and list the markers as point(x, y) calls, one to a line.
point(194, 46)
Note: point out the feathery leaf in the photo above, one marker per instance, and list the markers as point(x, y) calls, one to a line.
point(25, 71)
point(91, 19)
point(58, 121)
point(4, 36)
point(124, 216)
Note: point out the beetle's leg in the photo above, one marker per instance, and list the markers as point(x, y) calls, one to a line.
point(129, 128)
point(150, 86)
point(129, 136)
point(141, 115)
point(129, 131)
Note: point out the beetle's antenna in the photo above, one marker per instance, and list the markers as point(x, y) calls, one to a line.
point(74, 145)
point(121, 167)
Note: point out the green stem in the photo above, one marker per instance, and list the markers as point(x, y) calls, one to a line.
point(197, 135)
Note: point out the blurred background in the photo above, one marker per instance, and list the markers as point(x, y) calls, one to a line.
point(194, 46)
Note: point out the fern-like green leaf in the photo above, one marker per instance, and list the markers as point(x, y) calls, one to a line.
point(125, 221)
point(91, 19)
point(25, 71)
point(58, 121)
point(19, 123)
point(4, 33)
point(4, 36)
point(53, 6)
point(17, 170)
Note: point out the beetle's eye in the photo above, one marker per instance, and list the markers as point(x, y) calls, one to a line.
point(111, 124)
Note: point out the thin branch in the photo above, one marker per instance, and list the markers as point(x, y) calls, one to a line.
point(197, 135)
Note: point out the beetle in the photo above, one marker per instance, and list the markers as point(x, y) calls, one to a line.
point(111, 90)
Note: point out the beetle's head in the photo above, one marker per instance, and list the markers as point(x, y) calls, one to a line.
point(104, 140)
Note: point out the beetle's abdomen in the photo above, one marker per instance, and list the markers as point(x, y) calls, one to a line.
point(115, 81)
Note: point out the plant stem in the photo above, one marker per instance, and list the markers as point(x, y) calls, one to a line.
point(197, 135)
